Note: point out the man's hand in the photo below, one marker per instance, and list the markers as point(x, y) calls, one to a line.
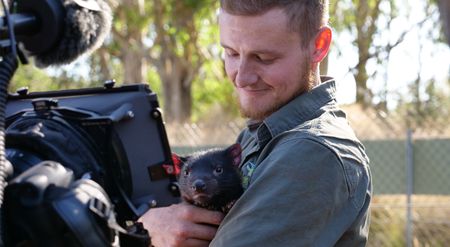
point(181, 225)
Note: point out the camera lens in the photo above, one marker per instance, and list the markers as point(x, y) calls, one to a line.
point(21, 159)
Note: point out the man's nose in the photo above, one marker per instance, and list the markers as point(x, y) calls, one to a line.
point(246, 74)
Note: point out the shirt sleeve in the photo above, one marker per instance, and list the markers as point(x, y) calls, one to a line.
point(294, 198)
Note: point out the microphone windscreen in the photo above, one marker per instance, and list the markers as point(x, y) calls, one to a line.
point(86, 25)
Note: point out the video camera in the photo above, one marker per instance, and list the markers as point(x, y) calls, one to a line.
point(77, 167)
point(67, 146)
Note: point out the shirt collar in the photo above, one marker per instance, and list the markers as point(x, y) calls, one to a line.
point(299, 110)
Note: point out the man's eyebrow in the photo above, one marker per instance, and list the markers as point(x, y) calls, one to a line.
point(262, 51)
point(225, 46)
point(266, 51)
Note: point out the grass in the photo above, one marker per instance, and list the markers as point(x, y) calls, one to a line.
point(430, 221)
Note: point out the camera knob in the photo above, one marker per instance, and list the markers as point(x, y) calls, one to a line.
point(156, 113)
point(23, 91)
point(174, 188)
point(108, 84)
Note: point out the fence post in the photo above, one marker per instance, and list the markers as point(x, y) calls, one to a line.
point(409, 187)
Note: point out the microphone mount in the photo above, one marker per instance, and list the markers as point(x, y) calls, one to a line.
point(21, 23)
point(37, 24)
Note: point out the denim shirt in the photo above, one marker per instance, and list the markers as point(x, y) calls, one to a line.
point(306, 177)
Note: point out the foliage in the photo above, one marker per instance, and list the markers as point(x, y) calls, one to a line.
point(209, 93)
point(175, 42)
point(376, 28)
point(430, 108)
point(211, 88)
point(32, 78)
point(39, 80)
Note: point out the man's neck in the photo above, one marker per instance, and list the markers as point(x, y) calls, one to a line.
point(315, 77)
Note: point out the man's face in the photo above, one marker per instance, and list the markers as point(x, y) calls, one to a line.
point(264, 60)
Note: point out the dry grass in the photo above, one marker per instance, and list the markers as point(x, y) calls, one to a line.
point(430, 217)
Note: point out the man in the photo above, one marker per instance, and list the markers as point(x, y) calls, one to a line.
point(305, 173)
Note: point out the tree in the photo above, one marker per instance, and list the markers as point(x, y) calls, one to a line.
point(360, 17)
point(444, 10)
point(124, 54)
point(162, 34)
point(374, 24)
point(177, 57)
point(370, 22)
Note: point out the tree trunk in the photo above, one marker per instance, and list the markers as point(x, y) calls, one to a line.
point(179, 61)
point(363, 96)
point(444, 11)
point(177, 92)
point(103, 63)
point(134, 63)
point(132, 46)
point(366, 18)
point(178, 101)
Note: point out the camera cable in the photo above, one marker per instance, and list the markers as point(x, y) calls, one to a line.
point(8, 66)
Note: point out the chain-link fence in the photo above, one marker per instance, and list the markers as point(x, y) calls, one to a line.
point(410, 168)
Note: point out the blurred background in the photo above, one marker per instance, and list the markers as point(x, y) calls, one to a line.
point(391, 61)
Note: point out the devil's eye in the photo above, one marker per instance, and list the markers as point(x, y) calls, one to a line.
point(186, 172)
point(218, 170)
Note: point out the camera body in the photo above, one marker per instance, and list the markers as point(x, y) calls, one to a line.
point(112, 135)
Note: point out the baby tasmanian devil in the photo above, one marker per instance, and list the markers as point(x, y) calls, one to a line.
point(211, 179)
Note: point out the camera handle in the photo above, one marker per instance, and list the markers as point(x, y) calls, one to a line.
point(46, 206)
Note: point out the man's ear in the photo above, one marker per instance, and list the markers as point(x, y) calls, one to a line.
point(322, 44)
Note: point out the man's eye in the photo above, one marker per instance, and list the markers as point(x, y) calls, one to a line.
point(231, 53)
point(264, 59)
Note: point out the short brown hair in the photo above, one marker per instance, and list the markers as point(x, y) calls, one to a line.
point(305, 16)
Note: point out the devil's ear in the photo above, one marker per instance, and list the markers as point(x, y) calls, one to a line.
point(176, 159)
point(178, 162)
point(234, 151)
point(184, 159)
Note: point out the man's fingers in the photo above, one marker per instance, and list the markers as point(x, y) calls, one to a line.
point(202, 231)
point(181, 225)
point(196, 243)
point(201, 215)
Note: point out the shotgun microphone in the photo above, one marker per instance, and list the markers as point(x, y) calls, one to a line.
point(56, 32)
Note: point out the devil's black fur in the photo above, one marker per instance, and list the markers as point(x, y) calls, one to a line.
point(211, 179)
